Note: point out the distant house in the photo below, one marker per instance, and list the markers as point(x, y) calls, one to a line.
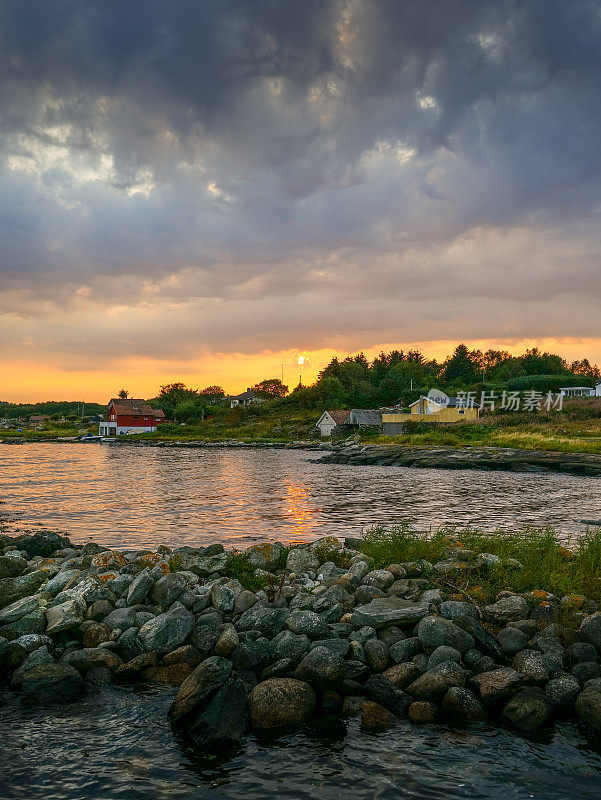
point(38, 419)
point(95, 418)
point(130, 416)
point(330, 420)
point(581, 391)
point(245, 399)
point(428, 410)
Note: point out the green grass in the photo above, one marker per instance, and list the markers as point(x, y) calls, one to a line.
point(547, 564)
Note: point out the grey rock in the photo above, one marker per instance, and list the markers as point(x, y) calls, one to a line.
point(562, 692)
point(379, 689)
point(497, 685)
point(454, 609)
point(381, 612)
point(199, 685)
point(434, 684)
point(167, 589)
point(581, 651)
point(224, 593)
point(223, 720)
point(18, 609)
point(339, 647)
point(530, 665)
point(244, 601)
point(121, 618)
point(511, 640)
point(129, 645)
point(376, 654)
point(591, 628)
point(442, 654)
point(301, 560)
point(290, 645)
point(65, 579)
point(380, 578)
point(507, 609)
point(167, 631)
point(91, 657)
point(228, 641)
point(405, 650)
point(588, 707)
point(34, 659)
point(268, 620)
point(139, 587)
point(12, 589)
point(32, 641)
point(11, 566)
point(255, 655)
point(64, 616)
point(586, 671)
point(435, 631)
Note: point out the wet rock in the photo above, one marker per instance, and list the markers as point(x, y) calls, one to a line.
point(51, 683)
point(322, 669)
point(588, 706)
point(507, 609)
point(434, 683)
point(209, 676)
point(421, 712)
point(280, 701)
point(302, 560)
point(562, 692)
point(222, 721)
point(186, 654)
point(95, 633)
point(351, 705)
point(380, 689)
point(279, 669)
point(167, 631)
point(139, 587)
point(529, 709)
point(98, 676)
point(35, 659)
point(171, 674)
point(375, 716)
point(385, 611)
point(132, 669)
point(483, 640)
point(43, 544)
point(91, 657)
point(497, 685)
point(436, 631)
point(462, 704)
point(129, 645)
point(339, 647)
point(306, 623)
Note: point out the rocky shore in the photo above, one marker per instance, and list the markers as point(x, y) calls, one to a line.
point(482, 458)
point(326, 633)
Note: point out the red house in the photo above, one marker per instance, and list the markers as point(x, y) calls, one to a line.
point(130, 416)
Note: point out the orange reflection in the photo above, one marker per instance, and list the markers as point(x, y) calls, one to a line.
point(299, 510)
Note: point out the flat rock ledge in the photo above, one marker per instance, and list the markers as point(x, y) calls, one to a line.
point(326, 634)
point(482, 458)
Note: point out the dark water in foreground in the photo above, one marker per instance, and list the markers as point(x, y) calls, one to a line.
point(146, 496)
point(118, 744)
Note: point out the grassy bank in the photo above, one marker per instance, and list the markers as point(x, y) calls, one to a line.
point(546, 563)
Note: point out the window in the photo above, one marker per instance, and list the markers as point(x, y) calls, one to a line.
point(462, 410)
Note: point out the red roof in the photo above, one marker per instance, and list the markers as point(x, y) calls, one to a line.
point(338, 416)
point(129, 407)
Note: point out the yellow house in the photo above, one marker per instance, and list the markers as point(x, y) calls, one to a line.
point(427, 410)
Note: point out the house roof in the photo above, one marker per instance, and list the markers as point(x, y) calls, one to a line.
point(338, 416)
point(38, 417)
point(247, 395)
point(130, 406)
point(365, 416)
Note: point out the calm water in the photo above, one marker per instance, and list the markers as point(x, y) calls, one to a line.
point(118, 744)
point(147, 496)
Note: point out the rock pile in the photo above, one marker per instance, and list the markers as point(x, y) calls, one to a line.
point(318, 638)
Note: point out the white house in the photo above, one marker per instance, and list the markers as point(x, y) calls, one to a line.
point(244, 399)
point(581, 391)
point(330, 420)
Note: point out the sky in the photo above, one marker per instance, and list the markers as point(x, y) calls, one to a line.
point(204, 190)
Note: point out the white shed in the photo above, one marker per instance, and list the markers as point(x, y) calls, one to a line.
point(330, 420)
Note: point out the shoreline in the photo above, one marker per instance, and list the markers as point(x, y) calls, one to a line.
point(357, 454)
point(274, 635)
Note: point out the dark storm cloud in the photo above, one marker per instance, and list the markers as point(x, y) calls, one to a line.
point(304, 155)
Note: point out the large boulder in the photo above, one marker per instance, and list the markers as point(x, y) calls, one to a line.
point(280, 701)
point(529, 709)
point(90, 657)
point(306, 623)
point(167, 631)
point(266, 619)
point(264, 556)
point(221, 722)
point(204, 681)
point(11, 566)
point(588, 706)
point(51, 683)
point(167, 589)
point(496, 685)
point(18, 609)
point(434, 684)
point(44, 544)
point(462, 704)
point(224, 593)
point(508, 609)
point(386, 694)
point(384, 611)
